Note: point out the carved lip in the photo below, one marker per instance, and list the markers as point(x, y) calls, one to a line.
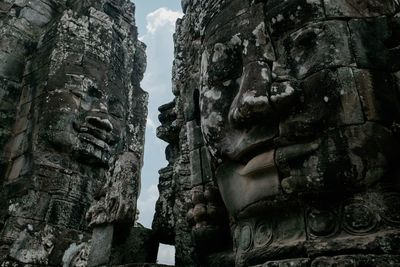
point(242, 146)
point(95, 141)
point(261, 162)
point(243, 152)
point(94, 135)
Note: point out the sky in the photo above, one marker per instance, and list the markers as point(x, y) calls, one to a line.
point(156, 24)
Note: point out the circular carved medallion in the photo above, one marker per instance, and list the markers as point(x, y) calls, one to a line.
point(263, 234)
point(358, 219)
point(391, 209)
point(246, 236)
point(321, 222)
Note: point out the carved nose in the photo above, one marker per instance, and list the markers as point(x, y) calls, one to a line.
point(100, 123)
point(252, 101)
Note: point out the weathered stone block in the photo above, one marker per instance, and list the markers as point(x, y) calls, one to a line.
point(328, 46)
point(194, 135)
point(357, 261)
point(34, 17)
point(368, 40)
point(353, 8)
point(101, 244)
point(64, 213)
point(220, 16)
point(207, 172)
point(22, 124)
point(337, 103)
point(17, 146)
point(200, 166)
point(20, 166)
point(286, 16)
point(4, 7)
point(33, 205)
point(302, 262)
point(12, 65)
point(33, 246)
point(379, 97)
point(190, 94)
point(196, 176)
point(351, 111)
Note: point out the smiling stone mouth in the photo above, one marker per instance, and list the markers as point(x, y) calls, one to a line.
point(261, 162)
point(290, 151)
point(96, 136)
point(92, 150)
point(246, 154)
point(86, 137)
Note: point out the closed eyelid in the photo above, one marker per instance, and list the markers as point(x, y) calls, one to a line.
point(306, 36)
point(116, 110)
point(78, 93)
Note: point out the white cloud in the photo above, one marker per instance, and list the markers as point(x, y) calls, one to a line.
point(157, 81)
point(146, 202)
point(151, 124)
point(160, 18)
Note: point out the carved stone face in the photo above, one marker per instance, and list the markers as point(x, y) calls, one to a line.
point(294, 102)
point(85, 120)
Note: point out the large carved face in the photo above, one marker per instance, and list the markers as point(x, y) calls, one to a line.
point(295, 102)
point(86, 119)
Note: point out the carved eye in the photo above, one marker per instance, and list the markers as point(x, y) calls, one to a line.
point(116, 109)
point(77, 93)
point(225, 64)
point(307, 37)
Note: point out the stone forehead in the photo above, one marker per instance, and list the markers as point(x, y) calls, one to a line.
point(242, 20)
point(279, 16)
point(289, 15)
point(222, 13)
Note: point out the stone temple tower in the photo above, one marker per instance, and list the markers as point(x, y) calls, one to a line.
point(72, 121)
point(283, 134)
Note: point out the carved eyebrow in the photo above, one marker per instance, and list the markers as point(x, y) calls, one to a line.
point(78, 92)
